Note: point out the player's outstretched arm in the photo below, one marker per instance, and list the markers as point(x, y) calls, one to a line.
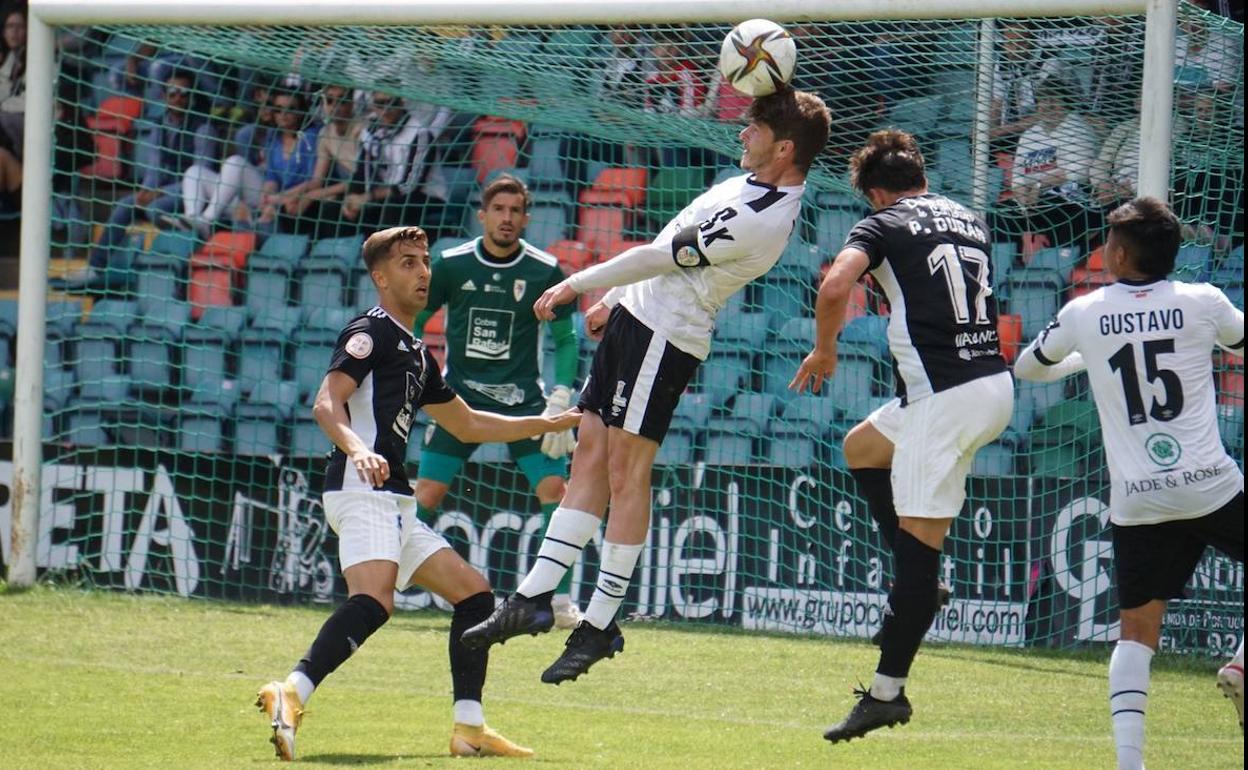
point(1028, 367)
point(330, 411)
point(635, 264)
point(830, 306)
point(474, 427)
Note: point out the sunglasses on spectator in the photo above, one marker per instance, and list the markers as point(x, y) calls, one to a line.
point(177, 91)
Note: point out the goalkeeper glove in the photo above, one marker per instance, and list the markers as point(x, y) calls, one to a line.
point(556, 445)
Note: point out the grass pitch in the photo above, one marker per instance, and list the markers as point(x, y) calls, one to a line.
point(103, 680)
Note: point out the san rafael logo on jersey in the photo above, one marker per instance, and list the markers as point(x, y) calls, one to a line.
point(489, 334)
point(1163, 449)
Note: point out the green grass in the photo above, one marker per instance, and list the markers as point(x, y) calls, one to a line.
point(103, 680)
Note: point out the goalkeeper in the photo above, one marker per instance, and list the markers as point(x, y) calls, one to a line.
point(494, 353)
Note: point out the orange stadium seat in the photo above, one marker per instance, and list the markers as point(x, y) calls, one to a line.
point(110, 127)
point(573, 255)
point(1010, 333)
point(598, 226)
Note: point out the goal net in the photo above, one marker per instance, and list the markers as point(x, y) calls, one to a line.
point(196, 298)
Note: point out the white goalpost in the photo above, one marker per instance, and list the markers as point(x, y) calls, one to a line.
point(46, 15)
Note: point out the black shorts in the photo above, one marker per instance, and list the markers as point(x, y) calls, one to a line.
point(636, 378)
point(1155, 561)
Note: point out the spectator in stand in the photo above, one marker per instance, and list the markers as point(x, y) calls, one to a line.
point(74, 149)
point(1205, 58)
point(208, 193)
point(1051, 166)
point(337, 153)
point(674, 88)
point(132, 75)
point(390, 183)
point(165, 151)
point(1208, 180)
point(1117, 72)
point(1014, 80)
point(289, 158)
point(13, 80)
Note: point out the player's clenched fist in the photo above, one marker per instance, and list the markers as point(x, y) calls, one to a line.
point(372, 467)
point(560, 294)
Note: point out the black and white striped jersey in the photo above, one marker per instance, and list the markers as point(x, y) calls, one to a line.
point(396, 375)
point(930, 255)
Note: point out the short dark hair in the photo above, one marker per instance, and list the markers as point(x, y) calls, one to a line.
point(890, 160)
point(380, 244)
point(1149, 233)
point(798, 116)
point(181, 74)
point(505, 183)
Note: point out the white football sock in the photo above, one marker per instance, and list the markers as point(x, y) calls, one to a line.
point(1128, 700)
point(566, 534)
point(469, 712)
point(887, 687)
point(615, 571)
point(1238, 660)
point(302, 685)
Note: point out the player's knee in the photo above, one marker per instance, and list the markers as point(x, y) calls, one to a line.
point(551, 489)
point(376, 606)
point(866, 447)
point(429, 494)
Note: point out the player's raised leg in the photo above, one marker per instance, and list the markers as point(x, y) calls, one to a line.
point(630, 460)
point(1231, 682)
point(371, 600)
point(546, 476)
point(574, 522)
point(445, 573)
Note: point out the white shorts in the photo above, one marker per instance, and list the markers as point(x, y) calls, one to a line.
point(380, 525)
point(935, 440)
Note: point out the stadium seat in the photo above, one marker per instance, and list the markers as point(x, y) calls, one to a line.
point(815, 414)
point(677, 448)
point(869, 331)
point(282, 395)
point(919, 115)
point(260, 357)
point(853, 387)
point(364, 295)
point(598, 226)
point(953, 156)
point(1084, 281)
point(789, 450)
point(1192, 262)
point(993, 460)
point(178, 246)
point(547, 225)
point(346, 250)
point(778, 370)
point(1231, 427)
point(800, 258)
point(619, 186)
point(281, 247)
point(1057, 461)
point(573, 256)
point(671, 190)
point(795, 335)
point(312, 352)
point(1035, 294)
point(279, 319)
point(85, 426)
point(112, 315)
point(693, 411)
point(200, 430)
point(322, 282)
point(1061, 260)
point(719, 377)
point(8, 317)
point(257, 429)
point(1010, 334)
point(307, 439)
point(227, 248)
point(545, 168)
point(741, 331)
point(1067, 422)
point(218, 394)
point(785, 298)
point(111, 131)
point(492, 152)
point(63, 317)
point(725, 445)
point(268, 283)
point(832, 226)
point(156, 284)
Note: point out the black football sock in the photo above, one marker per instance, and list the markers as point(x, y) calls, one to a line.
point(875, 484)
point(912, 603)
point(344, 632)
point(468, 665)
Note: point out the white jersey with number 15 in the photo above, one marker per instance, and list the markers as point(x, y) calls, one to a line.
point(1147, 348)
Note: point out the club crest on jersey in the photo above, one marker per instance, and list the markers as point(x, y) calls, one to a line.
point(1163, 449)
point(360, 345)
point(688, 256)
point(518, 287)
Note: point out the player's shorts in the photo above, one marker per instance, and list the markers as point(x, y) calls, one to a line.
point(1155, 561)
point(935, 440)
point(443, 455)
point(380, 526)
point(637, 377)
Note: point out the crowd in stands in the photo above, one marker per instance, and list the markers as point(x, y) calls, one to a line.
point(151, 140)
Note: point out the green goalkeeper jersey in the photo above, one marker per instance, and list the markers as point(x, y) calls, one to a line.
point(493, 340)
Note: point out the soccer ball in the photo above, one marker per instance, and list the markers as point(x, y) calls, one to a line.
point(757, 57)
